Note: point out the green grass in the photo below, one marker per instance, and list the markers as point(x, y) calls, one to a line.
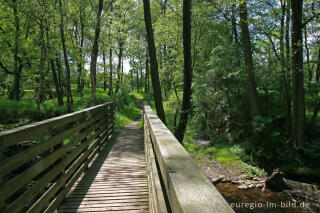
point(140, 124)
point(128, 112)
point(228, 156)
point(14, 112)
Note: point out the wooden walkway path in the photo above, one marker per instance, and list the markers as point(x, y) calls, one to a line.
point(116, 181)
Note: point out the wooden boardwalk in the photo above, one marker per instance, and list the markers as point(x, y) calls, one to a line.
point(116, 181)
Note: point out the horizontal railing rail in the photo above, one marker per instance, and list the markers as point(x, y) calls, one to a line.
point(40, 162)
point(180, 181)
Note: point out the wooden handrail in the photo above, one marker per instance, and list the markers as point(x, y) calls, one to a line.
point(36, 178)
point(185, 186)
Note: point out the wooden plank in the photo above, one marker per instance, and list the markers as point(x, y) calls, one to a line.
point(117, 182)
point(96, 147)
point(108, 209)
point(134, 200)
point(119, 198)
point(103, 205)
point(39, 205)
point(187, 187)
point(14, 136)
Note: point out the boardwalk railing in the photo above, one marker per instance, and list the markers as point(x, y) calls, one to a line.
point(176, 183)
point(40, 162)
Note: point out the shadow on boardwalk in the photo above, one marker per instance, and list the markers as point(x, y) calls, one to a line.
point(116, 180)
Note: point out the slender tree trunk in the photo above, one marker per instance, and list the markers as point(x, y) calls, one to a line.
point(119, 67)
point(53, 69)
point(318, 66)
point(298, 124)
point(56, 83)
point(287, 36)
point(68, 83)
point(110, 79)
point(187, 72)
point(94, 54)
point(16, 71)
point(283, 67)
point(235, 34)
point(288, 59)
point(60, 80)
point(153, 62)
point(317, 107)
point(247, 53)
point(307, 53)
point(146, 84)
point(80, 84)
point(137, 78)
point(104, 71)
point(43, 57)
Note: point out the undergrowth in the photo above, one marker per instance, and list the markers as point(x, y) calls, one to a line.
point(231, 157)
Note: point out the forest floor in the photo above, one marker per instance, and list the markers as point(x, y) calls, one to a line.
point(237, 186)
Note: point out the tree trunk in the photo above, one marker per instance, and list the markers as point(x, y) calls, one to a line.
point(187, 72)
point(307, 53)
point(287, 36)
point(298, 124)
point(247, 53)
point(121, 79)
point(104, 71)
point(16, 70)
point(317, 107)
point(318, 66)
point(235, 34)
point(60, 79)
point(56, 83)
point(68, 84)
point(137, 78)
point(119, 67)
point(153, 62)
point(94, 55)
point(80, 63)
point(146, 84)
point(53, 69)
point(283, 67)
point(110, 80)
point(43, 57)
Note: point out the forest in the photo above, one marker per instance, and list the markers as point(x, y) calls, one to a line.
point(241, 74)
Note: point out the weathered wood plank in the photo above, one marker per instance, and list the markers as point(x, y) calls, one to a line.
point(187, 187)
point(104, 205)
point(117, 182)
point(39, 205)
point(96, 148)
point(134, 200)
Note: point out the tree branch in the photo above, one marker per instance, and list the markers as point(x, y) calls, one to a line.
point(273, 45)
point(309, 20)
point(5, 69)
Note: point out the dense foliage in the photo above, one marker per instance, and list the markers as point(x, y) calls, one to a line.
point(255, 65)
